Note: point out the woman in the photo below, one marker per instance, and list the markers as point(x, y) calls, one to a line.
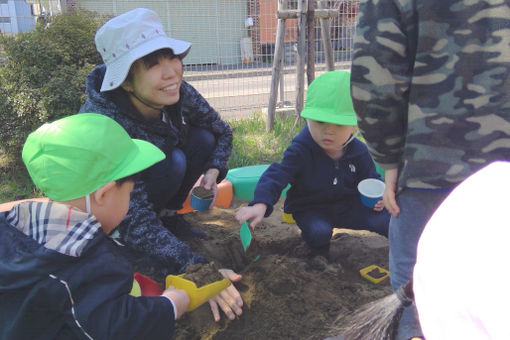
point(141, 87)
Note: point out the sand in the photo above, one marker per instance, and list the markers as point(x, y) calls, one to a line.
point(286, 294)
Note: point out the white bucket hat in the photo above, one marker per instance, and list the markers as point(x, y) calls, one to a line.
point(128, 37)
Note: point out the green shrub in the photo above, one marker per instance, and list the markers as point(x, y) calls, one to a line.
point(43, 77)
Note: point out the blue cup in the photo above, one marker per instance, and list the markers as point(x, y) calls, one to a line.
point(196, 200)
point(371, 191)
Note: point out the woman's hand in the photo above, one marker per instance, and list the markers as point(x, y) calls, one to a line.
point(229, 299)
point(208, 181)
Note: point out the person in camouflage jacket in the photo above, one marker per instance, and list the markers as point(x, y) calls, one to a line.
point(430, 84)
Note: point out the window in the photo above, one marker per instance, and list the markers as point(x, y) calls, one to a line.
point(5, 20)
point(3, 2)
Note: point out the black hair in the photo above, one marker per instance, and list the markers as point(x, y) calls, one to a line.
point(134, 177)
point(152, 59)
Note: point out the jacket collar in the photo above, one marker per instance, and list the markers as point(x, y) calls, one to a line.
point(55, 226)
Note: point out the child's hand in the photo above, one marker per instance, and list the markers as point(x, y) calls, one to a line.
point(180, 299)
point(379, 205)
point(229, 299)
point(254, 214)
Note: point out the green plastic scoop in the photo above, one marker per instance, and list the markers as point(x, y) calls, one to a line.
point(245, 234)
point(246, 239)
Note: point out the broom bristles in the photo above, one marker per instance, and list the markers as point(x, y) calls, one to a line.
point(377, 320)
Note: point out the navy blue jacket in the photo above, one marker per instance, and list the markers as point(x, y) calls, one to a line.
point(78, 290)
point(142, 230)
point(316, 180)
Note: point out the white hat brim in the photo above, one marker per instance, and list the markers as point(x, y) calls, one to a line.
point(117, 71)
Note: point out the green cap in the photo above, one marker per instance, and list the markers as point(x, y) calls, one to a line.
point(76, 155)
point(328, 99)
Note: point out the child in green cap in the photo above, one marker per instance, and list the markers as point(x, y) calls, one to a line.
point(60, 274)
point(323, 165)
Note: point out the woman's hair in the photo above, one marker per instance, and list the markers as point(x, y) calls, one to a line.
point(152, 59)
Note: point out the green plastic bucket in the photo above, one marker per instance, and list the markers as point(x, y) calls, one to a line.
point(245, 179)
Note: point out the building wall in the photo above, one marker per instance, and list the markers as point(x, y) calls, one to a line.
point(15, 16)
point(25, 20)
point(269, 22)
point(214, 27)
point(8, 20)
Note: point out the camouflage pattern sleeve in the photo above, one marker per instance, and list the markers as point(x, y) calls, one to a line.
point(431, 86)
point(380, 78)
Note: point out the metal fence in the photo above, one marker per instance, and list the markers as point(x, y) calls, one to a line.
point(233, 42)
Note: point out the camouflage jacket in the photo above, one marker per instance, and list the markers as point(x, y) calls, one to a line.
point(431, 86)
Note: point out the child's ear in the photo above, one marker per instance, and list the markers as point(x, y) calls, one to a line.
point(101, 193)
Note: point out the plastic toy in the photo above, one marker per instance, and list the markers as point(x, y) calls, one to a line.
point(244, 180)
point(135, 290)
point(201, 198)
point(148, 287)
point(223, 198)
point(371, 191)
point(245, 235)
point(374, 274)
point(287, 218)
point(246, 239)
point(196, 295)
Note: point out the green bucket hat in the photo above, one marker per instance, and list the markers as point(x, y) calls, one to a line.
point(75, 155)
point(328, 99)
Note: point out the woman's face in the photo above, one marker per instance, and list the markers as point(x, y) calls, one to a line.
point(154, 86)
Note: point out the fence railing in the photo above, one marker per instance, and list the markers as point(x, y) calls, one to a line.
point(233, 42)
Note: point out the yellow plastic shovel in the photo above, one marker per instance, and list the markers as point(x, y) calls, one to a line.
point(197, 296)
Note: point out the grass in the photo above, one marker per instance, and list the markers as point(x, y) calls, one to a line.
point(252, 145)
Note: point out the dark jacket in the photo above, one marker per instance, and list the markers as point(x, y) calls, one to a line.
point(142, 230)
point(61, 281)
point(316, 180)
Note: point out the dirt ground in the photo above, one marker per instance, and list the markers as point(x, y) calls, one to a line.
point(286, 295)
